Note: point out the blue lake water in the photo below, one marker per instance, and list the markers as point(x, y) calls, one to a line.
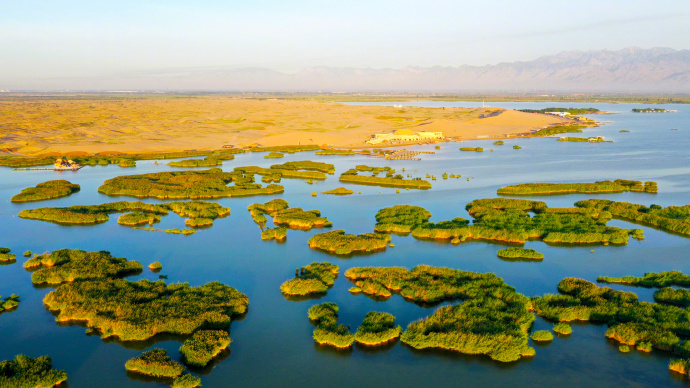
point(273, 346)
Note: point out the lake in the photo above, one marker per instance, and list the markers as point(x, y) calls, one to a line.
point(273, 346)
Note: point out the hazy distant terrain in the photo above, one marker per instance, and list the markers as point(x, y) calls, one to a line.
point(631, 69)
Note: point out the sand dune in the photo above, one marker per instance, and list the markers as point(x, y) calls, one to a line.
point(38, 126)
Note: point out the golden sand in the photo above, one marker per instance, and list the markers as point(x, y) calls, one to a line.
point(52, 126)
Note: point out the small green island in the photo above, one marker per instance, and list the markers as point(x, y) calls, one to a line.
point(400, 219)
point(47, 190)
point(542, 336)
point(198, 213)
point(499, 142)
point(196, 184)
point(9, 303)
point(475, 149)
point(650, 110)
point(7, 257)
point(209, 161)
point(390, 180)
point(593, 139)
point(274, 155)
point(617, 186)
point(339, 243)
point(328, 331)
point(199, 349)
point(570, 111)
point(334, 152)
point(493, 319)
point(520, 253)
point(663, 280)
point(285, 217)
point(508, 220)
point(315, 278)
point(558, 129)
point(28, 372)
point(339, 191)
point(562, 328)
point(517, 147)
point(377, 329)
point(69, 265)
point(155, 363)
point(672, 218)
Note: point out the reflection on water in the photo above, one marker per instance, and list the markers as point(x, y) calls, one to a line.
point(272, 344)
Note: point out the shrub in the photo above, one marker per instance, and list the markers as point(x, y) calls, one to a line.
point(28, 372)
point(315, 278)
point(202, 346)
point(156, 363)
point(681, 366)
point(542, 336)
point(68, 265)
point(339, 243)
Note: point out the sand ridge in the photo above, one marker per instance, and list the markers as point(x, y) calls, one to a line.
point(39, 126)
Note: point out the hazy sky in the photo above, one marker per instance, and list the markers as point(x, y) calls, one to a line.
point(54, 38)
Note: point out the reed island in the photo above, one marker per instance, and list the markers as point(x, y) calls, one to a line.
point(25, 371)
point(315, 278)
point(47, 190)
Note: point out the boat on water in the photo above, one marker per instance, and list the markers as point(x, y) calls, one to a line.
point(63, 164)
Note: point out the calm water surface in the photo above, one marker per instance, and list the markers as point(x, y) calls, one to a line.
point(272, 345)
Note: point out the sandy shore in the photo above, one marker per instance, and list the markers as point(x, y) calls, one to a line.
point(35, 127)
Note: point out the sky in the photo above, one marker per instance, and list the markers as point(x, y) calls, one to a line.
point(54, 38)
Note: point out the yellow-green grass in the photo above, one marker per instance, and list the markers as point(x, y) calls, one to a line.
point(186, 381)
point(339, 243)
point(47, 190)
point(115, 308)
point(156, 363)
point(69, 265)
point(28, 372)
point(673, 218)
point(377, 328)
point(542, 336)
point(203, 346)
point(328, 331)
point(520, 253)
point(9, 303)
point(617, 186)
point(274, 155)
point(315, 278)
point(339, 191)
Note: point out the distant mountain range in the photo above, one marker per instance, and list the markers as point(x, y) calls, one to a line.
point(631, 69)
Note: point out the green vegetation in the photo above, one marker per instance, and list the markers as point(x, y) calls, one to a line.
point(557, 129)
point(499, 142)
point(492, 320)
point(6, 256)
point(630, 321)
point(520, 253)
point(27, 254)
point(339, 243)
point(28, 372)
point(339, 191)
point(185, 232)
point(681, 366)
point(278, 234)
point(400, 218)
point(296, 218)
point(68, 265)
point(644, 347)
point(597, 139)
point(186, 381)
point(377, 328)
point(211, 183)
point(202, 346)
point(391, 180)
point(206, 162)
point(335, 152)
point(674, 296)
point(200, 213)
point(623, 131)
point(156, 363)
point(672, 218)
point(617, 186)
point(315, 278)
point(155, 266)
point(305, 165)
point(651, 279)
point(134, 311)
point(328, 331)
point(274, 155)
point(47, 190)
point(128, 160)
point(624, 349)
point(572, 111)
point(517, 147)
point(477, 149)
point(275, 172)
point(507, 220)
point(562, 328)
point(9, 303)
point(259, 210)
point(287, 148)
point(648, 110)
point(542, 336)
